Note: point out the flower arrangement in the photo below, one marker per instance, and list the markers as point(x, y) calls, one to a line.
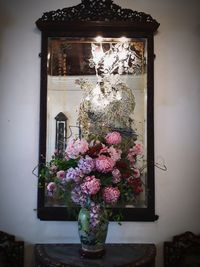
point(96, 172)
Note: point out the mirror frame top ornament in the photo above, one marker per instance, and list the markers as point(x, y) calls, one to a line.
point(88, 19)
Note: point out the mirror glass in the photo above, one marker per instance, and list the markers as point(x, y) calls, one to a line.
point(94, 86)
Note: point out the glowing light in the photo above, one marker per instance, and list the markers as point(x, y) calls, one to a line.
point(99, 39)
point(123, 39)
point(97, 53)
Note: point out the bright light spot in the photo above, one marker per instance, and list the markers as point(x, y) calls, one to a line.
point(99, 39)
point(123, 39)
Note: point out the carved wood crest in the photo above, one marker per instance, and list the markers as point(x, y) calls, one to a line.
point(96, 10)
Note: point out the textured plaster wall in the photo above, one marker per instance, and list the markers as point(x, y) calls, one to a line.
point(177, 127)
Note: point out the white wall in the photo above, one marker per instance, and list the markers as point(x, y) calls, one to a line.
point(177, 127)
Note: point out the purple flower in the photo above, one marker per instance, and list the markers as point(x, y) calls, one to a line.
point(86, 165)
point(78, 197)
point(74, 175)
point(95, 210)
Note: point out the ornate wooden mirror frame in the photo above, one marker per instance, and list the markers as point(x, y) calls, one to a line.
point(82, 23)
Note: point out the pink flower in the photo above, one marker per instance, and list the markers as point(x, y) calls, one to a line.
point(52, 187)
point(131, 157)
point(91, 185)
point(113, 138)
point(75, 148)
point(115, 153)
point(111, 195)
point(104, 164)
point(136, 173)
point(116, 176)
point(137, 148)
point(53, 169)
point(60, 174)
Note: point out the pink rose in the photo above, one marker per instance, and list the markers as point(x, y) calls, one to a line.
point(52, 187)
point(111, 195)
point(60, 174)
point(104, 164)
point(113, 138)
point(136, 173)
point(91, 185)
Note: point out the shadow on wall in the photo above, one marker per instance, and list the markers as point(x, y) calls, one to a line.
point(6, 20)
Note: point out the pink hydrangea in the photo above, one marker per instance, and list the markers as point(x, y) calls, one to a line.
point(113, 138)
point(111, 195)
point(104, 164)
point(91, 185)
point(76, 148)
point(116, 176)
point(61, 174)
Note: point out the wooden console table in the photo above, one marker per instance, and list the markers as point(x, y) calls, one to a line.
point(117, 255)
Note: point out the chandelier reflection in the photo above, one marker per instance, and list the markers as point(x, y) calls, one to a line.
point(109, 104)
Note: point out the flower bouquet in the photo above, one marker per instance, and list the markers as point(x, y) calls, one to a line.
point(95, 174)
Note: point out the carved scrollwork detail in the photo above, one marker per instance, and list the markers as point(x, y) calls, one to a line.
point(96, 10)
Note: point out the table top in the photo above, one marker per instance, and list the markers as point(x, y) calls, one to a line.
point(68, 255)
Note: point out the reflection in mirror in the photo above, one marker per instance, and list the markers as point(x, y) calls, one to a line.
point(96, 85)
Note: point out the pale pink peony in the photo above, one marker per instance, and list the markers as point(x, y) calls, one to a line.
point(61, 174)
point(75, 148)
point(111, 195)
point(116, 176)
point(113, 138)
point(104, 164)
point(91, 185)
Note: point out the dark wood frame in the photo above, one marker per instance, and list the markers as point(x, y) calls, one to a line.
point(89, 19)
